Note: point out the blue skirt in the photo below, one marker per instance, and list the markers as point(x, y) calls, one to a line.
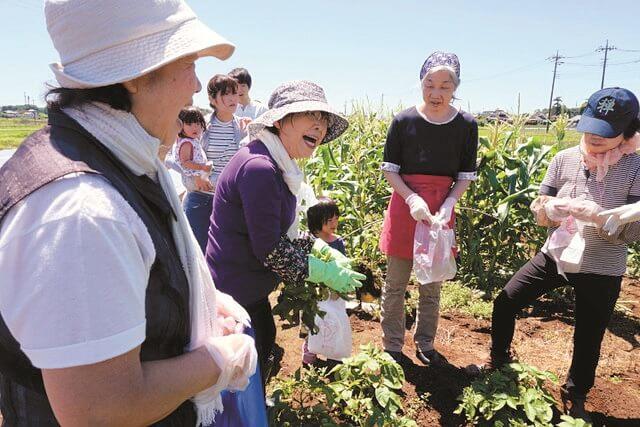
point(245, 408)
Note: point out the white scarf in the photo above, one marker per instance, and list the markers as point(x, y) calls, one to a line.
point(293, 177)
point(123, 135)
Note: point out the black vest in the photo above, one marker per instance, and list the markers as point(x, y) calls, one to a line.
point(65, 147)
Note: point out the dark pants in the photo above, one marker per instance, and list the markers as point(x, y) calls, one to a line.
point(596, 296)
point(197, 208)
point(264, 328)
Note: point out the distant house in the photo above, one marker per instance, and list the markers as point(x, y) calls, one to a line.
point(10, 113)
point(498, 116)
point(573, 121)
point(537, 118)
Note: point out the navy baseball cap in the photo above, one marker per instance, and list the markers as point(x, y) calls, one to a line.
point(609, 111)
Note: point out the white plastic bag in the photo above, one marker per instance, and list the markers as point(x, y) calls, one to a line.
point(566, 246)
point(333, 339)
point(432, 256)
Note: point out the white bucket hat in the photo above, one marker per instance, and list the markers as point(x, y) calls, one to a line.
point(104, 42)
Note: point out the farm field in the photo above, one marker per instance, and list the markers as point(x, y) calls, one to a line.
point(543, 339)
point(496, 234)
point(13, 131)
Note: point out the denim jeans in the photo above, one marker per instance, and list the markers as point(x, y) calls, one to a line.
point(197, 208)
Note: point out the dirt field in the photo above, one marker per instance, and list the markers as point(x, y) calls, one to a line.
point(543, 338)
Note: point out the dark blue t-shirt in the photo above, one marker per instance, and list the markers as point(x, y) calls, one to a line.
point(338, 245)
point(421, 147)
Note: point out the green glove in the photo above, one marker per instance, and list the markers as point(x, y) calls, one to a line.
point(325, 252)
point(340, 279)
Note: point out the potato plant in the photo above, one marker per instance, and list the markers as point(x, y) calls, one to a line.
point(513, 395)
point(362, 391)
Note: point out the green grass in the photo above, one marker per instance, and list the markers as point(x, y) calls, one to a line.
point(14, 131)
point(572, 137)
point(456, 297)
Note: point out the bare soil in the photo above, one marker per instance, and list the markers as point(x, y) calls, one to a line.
point(543, 338)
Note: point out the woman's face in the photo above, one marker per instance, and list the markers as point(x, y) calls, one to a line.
point(597, 144)
point(243, 93)
point(158, 97)
point(437, 90)
point(301, 133)
point(192, 130)
point(225, 104)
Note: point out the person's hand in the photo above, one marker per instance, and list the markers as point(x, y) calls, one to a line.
point(418, 208)
point(236, 357)
point(325, 252)
point(244, 122)
point(208, 167)
point(232, 317)
point(586, 211)
point(340, 279)
point(616, 218)
point(203, 184)
point(558, 209)
point(537, 207)
point(446, 210)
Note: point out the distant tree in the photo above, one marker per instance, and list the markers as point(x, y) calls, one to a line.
point(558, 106)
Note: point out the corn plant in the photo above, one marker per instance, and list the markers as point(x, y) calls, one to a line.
point(348, 170)
point(560, 126)
point(496, 231)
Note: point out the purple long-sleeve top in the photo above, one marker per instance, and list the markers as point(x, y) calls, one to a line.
point(252, 209)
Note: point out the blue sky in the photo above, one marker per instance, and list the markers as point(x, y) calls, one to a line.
point(373, 50)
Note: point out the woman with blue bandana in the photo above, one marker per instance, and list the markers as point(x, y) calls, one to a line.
point(429, 160)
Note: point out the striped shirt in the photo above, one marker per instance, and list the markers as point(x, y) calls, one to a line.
point(220, 146)
point(567, 177)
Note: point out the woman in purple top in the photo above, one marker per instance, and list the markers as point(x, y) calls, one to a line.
point(254, 242)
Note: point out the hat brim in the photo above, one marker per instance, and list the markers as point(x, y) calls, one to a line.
point(141, 56)
point(337, 125)
point(598, 127)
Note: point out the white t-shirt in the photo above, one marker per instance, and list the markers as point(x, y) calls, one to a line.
point(252, 110)
point(75, 261)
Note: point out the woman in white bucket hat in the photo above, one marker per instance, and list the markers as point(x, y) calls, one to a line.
point(109, 313)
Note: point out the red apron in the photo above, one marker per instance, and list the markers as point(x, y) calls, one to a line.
point(399, 227)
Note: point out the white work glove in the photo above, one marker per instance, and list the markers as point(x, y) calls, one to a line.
point(446, 210)
point(232, 317)
point(557, 209)
point(586, 211)
point(616, 218)
point(236, 358)
point(418, 208)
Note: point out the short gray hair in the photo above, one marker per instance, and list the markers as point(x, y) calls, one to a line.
point(452, 73)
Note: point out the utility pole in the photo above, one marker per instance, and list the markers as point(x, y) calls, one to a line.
point(557, 62)
point(606, 50)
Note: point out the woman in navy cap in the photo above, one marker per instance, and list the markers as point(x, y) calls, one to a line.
point(602, 172)
point(429, 160)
